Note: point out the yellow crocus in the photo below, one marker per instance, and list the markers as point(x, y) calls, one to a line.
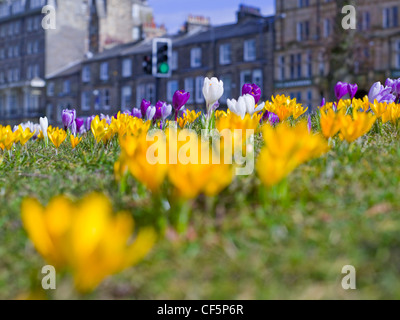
point(85, 238)
point(330, 122)
point(99, 128)
point(355, 127)
point(379, 108)
point(285, 149)
point(8, 137)
point(56, 135)
point(24, 135)
point(75, 141)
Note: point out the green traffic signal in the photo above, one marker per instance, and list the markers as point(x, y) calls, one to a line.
point(163, 68)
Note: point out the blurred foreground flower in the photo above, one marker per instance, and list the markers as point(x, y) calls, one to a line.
point(285, 149)
point(85, 238)
point(355, 127)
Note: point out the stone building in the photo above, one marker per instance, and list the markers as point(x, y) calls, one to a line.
point(237, 53)
point(31, 52)
point(313, 51)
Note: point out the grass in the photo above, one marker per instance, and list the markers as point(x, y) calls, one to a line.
point(341, 209)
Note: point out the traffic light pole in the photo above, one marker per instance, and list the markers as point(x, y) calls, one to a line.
point(157, 89)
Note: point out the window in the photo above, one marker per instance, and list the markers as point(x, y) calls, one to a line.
point(321, 64)
point(390, 17)
point(126, 68)
point(104, 71)
point(282, 68)
point(135, 33)
point(50, 89)
point(398, 55)
point(195, 57)
point(225, 54)
point(327, 27)
point(106, 99)
point(309, 99)
point(250, 50)
point(248, 76)
point(174, 60)
point(172, 87)
point(49, 111)
point(126, 98)
point(97, 99)
point(85, 101)
point(67, 87)
point(189, 86)
point(309, 64)
point(303, 3)
point(227, 80)
point(140, 94)
point(150, 92)
point(199, 89)
point(86, 74)
point(366, 21)
point(36, 46)
point(295, 66)
point(303, 31)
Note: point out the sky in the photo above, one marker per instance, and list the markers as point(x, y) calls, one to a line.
point(173, 13)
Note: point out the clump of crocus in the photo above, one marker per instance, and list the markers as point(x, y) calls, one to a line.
point(343, 88)
point(381, 93)
point(23, 136)
point(188, 117)
point(285, 107)
point(253, 90)
point(85, 238)
point(57, 136)
point(179, 101)
point(355, 127)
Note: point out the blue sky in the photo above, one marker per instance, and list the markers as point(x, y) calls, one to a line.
point(173, 13)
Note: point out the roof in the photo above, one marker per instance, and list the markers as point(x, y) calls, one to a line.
point(246, 27)
point(68, 70)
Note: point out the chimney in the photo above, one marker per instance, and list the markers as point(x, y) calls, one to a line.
point(196, 23)
point(246, 12)
point(94, 38)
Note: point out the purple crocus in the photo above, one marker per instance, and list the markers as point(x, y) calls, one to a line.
point(253, 90)
point(179, 100)
point(144, 106)
point(88, 123)
point(380, 93)
point(341, 89)
point(68, 117)
point(271, 117)
point(159, 105)
point(323, 102)
point(136, 113)
point(352, 89)
point(80, 125)
point(150, 113)
point(309, 124)
point(166, 111)
point(395, 86)
point(106, 117)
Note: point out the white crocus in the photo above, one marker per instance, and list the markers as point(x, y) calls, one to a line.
point(44, 124)
point(212, 91)
point(236, 107)
point(245, 104)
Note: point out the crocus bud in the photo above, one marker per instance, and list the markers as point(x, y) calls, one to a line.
point(144, 106)
point(88, 122)
point(341, 89)
point(68, 117)
point(136, 113)
point(179, 99)
point(166, 111)
point(44, 124)
point(253, 90)
point(80, 125)
point(159, 105)
point(352, 89)
point(212, 91)
point(150, 113)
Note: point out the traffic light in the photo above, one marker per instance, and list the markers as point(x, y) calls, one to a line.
point(147, 65)
point(162, 51)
